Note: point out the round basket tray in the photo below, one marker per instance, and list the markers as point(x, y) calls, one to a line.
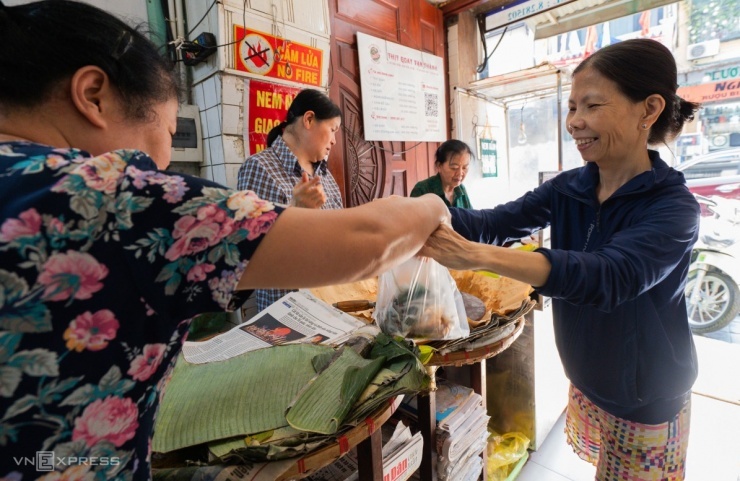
point(174, 467)
point(463, 357)
point(311, 462)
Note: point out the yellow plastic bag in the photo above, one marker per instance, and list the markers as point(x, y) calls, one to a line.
point(504, 451)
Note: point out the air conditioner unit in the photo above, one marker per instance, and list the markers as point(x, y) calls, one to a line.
point(720, 141)
point(702, 49)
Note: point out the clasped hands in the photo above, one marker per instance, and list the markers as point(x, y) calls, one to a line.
point(448, 248)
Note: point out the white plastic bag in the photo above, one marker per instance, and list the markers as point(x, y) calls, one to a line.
point(419, 299)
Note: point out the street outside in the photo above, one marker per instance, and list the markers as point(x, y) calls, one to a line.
point(730, 333)
point(715, 410)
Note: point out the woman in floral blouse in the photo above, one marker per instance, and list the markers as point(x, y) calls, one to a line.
point(104, 256)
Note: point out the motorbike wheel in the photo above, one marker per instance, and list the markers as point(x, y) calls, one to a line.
point(719, 303)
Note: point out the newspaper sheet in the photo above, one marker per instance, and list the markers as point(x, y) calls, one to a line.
point(401, 458)
point(296, 317)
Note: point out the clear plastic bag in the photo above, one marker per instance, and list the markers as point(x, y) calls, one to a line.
point(419, 299)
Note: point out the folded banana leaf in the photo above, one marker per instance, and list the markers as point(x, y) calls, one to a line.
point(403, 373)
point(242, 395)
point(282, 443)
point(324, 403)
point(284, 401)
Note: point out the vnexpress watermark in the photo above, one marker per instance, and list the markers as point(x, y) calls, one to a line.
point(48, 461)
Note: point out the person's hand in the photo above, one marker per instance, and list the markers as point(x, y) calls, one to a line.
point(309, 193)
point(449, 248)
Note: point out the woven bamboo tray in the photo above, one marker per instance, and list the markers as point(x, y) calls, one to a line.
point(308, 464)
point(297, 468)
point(463, 357)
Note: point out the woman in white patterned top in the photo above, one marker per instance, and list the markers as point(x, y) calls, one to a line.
point(292, 170)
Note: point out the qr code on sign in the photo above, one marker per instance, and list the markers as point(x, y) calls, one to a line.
point(431, 104)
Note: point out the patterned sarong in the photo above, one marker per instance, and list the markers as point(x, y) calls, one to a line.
point(624, 450)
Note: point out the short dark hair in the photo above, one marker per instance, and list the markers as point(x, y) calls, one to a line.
point(305, 100)
point(448, 149)
point(642, 67)
point(46, 42)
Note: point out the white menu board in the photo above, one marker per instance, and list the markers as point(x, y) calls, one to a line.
point(403, 92)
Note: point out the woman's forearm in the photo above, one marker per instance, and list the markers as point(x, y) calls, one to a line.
point(308, 248)
point(452, 250)
point(532, 268)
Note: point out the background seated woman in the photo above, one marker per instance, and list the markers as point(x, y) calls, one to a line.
point(452, 161)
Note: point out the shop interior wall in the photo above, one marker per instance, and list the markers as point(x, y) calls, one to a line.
point(473, 117)
point(368, 170)
point(364, 170)
point(217, 86)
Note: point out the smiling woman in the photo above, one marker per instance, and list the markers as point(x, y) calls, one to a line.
point(622, 231)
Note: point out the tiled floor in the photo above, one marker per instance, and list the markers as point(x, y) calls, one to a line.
point(730, 333)
point(714, 443)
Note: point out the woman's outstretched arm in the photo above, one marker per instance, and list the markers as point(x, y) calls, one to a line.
point(454, 251)
point(310, 248)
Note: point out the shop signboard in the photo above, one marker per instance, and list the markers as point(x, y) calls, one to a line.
point(488, 154)
point(266, 105)
point(711, 92)
point(259, 53)
point(518, 11)
point(403, 92)
point(727, 73)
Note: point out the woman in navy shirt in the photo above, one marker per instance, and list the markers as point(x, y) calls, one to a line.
point(105, 257)
point(622, 230)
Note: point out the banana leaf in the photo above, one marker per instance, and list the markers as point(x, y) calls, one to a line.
point(392, 349)
point(322, 405)
point(282, 443)
point(404, 375)
point(242, 395)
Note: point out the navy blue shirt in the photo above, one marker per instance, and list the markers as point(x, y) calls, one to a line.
point(617, 282)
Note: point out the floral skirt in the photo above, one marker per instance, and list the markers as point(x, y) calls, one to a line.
point(624, 450)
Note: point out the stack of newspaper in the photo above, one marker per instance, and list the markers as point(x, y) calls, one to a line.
point(462, 432)
point(334, 371)
point(297, 317)
point(402, 453)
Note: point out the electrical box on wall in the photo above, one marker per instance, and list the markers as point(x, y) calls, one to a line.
point(303, 22)
point(187, 141)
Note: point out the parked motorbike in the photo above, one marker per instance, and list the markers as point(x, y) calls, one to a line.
point(712, 291)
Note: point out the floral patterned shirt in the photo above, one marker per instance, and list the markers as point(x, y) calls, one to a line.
point(103, 261)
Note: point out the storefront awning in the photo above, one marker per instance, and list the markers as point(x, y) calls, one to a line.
point(516, 86)
point(583, 13)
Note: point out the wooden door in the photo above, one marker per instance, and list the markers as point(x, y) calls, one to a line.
point(368, 170)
